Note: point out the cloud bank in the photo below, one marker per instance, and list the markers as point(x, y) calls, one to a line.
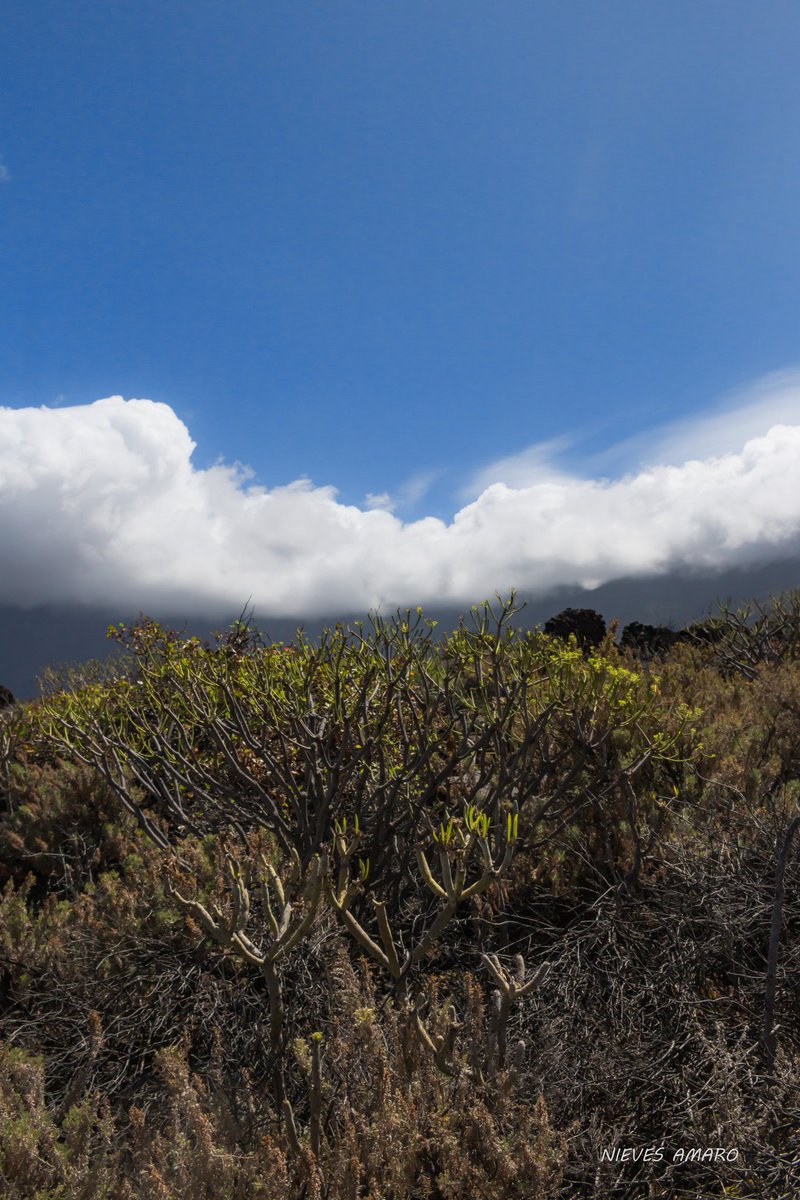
point(101, 504)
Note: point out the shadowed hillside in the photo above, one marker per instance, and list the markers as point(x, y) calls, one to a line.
point(35, 638)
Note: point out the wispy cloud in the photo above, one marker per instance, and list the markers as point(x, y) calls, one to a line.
point(407, 496)
point(534, 464)
point(5, 174)
point(101, 503)
point(722, 429)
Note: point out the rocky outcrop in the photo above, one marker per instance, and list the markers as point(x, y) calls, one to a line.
point(6, 697)
point(587, 625)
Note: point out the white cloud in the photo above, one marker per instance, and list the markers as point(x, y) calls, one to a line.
point(380, 500)
point(101, 504)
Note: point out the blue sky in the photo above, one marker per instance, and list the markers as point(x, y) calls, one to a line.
point(411, 252)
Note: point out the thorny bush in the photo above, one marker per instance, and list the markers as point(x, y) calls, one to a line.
point(389, 915)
